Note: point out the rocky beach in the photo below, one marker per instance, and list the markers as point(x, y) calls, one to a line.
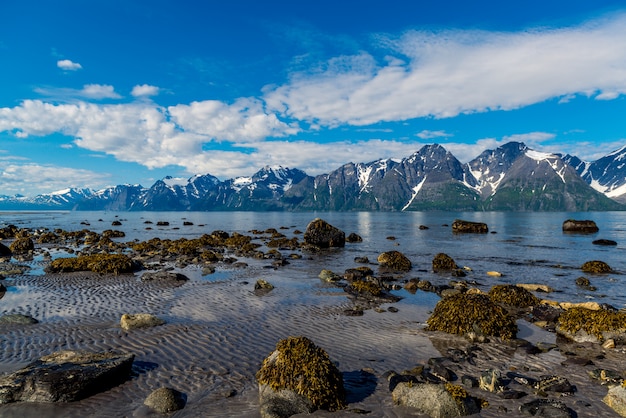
point(200, 315)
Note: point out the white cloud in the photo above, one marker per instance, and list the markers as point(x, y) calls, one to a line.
point(144, 90)
point(99, 91)
point(68, 65)
point(444, 74)
point(426, 134)
point(30, 179)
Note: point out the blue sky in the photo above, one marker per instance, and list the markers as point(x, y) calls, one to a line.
point(97, 93)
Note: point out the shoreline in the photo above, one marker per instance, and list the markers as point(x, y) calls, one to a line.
point(218, 331)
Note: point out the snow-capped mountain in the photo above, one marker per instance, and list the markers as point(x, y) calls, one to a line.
point(511, 177)
point(606, 175)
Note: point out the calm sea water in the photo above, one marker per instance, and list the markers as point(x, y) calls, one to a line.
point(524, 247)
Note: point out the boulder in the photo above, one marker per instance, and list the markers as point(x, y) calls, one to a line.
point(584, 226)
point(321, 234)
point(472, 227)
point(586, 325)
point(262, 287)
point(549, 408)
point(165, 400)
point(22, 245)
point(463, 313)
point(329, 276)
point(140, 320)
point(616, 399)
point(435, 400)
point(394, 260)
point(596, 266)
point(606, 242)
point(298, 377)
point(352, 238)
point(443, 262)
point(66, 376)
point(98, 263)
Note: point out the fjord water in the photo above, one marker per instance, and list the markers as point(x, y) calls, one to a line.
point(526, 247)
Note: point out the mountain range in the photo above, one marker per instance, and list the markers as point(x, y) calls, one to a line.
point(512, 177)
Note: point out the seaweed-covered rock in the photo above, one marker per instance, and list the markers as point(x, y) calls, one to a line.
point(584, 226)
point(394, 260)
point(140, 320)
point(546, 408)
point(443, 262)
point(353, 238)
point(321, 234)
point(66, 376)
point(165, 400)
point(22, 245)
point(583, 325)
point(18, 319)
point(596, 266)
point(467, 226)
point(463, 313)
point(435, 400)
point(98, 263)
point(513, 296)
point(299, 376)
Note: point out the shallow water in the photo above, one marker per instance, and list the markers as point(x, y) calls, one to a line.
point(218, 330)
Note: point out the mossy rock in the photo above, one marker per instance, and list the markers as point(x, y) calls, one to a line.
point(463, 313)
point(443, 262)
point(364, 287)
point(469, 227)
point(512, 295)
point(600, 323)
point(596, 266)
point(321, 234)
point(98, 263)
point(300, 366)
point(583, 226)
point(22, 246)
point(395, 260)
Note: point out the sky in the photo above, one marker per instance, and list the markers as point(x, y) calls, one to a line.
point(95, 93)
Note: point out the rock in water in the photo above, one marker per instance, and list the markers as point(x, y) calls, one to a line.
point(165, 400)
point(66, 376)
point(616, 399)
point(298, 377)
point(585, 226)
point(321, 234)
point(435, 400)
point(140, 320)
point(466, 226)
point(395, 260)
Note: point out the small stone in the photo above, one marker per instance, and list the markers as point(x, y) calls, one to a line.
point(166, 400)
point(491, 381)
point(546, 408)
point(609, 344)
point(141, 320)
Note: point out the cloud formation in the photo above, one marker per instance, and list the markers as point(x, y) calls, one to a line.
point(144, 90)
point(444, 74)
point(68, 65)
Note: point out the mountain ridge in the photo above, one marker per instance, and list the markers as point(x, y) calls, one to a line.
point(512, 177)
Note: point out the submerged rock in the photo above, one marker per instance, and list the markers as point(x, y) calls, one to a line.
point(298, 377)
point(321, 234)
point(66, 376)
point(18, 319)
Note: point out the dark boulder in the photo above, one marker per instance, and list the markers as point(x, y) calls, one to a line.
point(66, 376)
point(321, 234)
point(165, 400)
point(584, 226)
point(443, 262)
point(596, 266)
point(5, 251)
point(471, 227)
point(605, 242)
point(169, 277)
point(354, 238)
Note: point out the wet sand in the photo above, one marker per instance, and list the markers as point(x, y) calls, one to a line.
point(218, 331)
